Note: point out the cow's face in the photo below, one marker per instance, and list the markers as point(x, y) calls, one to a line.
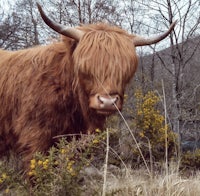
point(105, 61)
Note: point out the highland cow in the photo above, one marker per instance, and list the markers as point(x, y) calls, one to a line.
point(67, 87)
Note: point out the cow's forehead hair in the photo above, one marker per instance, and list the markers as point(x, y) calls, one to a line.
point(106, 51)
point(103, 27)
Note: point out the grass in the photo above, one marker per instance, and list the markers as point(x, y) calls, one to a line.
point(83, 172)
point(139, 183)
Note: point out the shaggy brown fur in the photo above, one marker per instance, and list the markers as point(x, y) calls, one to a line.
point(44, 91)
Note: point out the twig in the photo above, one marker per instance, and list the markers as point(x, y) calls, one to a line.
point(106, 164)
point(166, 135)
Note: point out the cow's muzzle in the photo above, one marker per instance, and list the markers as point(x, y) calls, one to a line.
point(106, 104)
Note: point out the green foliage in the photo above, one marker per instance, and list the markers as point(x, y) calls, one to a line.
point(191, 159)
point(11, 178)
point(58, 172)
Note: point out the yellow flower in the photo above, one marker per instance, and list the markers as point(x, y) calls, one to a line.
point(71, 162)
point(7, 191)
point(63, 151)
point(125, 96)
point(73, 173)
point(98, 131)
point(95, 141)
point(40, 162)
point(33, 161)
point(4, 176)
point(141, 134)
point(45, 167)
point(46, 161)
point(45, 164)
point(32, 166)
point(70, 169)
point(32, 173)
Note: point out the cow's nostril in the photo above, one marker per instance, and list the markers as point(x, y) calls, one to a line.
point(117, 99)
point(100, 99)
point(114, 101)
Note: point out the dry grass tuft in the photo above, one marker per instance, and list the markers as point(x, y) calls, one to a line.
point(137, 182)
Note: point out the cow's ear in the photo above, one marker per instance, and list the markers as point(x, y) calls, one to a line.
point(73, 45)
point(68, 32)
point(70, 44)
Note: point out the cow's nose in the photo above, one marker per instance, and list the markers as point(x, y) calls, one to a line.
point(108, 102)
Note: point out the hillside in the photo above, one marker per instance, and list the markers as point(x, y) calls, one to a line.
point(153, 64)
point(158, 66)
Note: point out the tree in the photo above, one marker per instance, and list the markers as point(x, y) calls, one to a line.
point(8, 31)
point(179, 58)
point(21, 26)
point(75, 12)
point(29, 23)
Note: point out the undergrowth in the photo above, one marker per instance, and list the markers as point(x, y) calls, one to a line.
point(77, 167)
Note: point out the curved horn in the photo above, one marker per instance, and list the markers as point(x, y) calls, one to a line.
point(69, 32)
point(141, 41)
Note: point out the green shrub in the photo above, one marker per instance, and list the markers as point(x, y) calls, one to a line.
point(191, 159)
point(58, 172)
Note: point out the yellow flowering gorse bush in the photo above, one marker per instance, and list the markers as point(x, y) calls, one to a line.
point(150, 125)
point(64, 162)
point(57, 172)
